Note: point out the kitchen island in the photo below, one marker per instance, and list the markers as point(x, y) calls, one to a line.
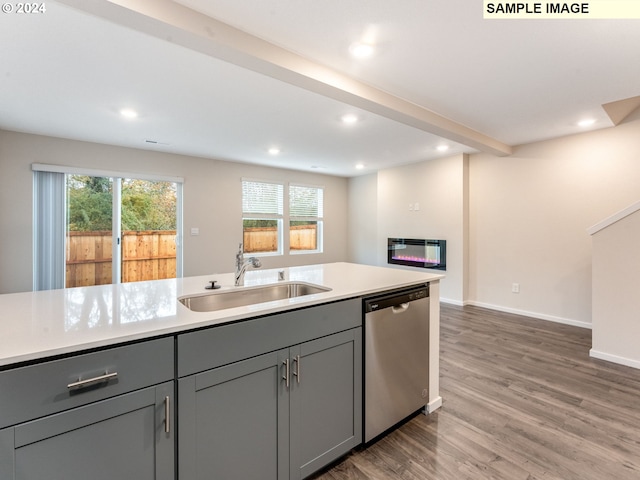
point(123, 351)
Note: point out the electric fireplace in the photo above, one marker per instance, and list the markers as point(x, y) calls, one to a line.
point(417, 253)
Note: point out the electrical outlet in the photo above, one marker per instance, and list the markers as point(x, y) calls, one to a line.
point(515, 288)
point(411, 207)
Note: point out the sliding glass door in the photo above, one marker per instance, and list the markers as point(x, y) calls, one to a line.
point(89, 242)
point(100, 228)
point(120, 230)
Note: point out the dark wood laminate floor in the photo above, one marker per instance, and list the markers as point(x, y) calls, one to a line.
point(522, 399)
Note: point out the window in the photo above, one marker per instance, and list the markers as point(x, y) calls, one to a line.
point(96, 228)
point(266, 223)
point(305, 218)
point(262, 217)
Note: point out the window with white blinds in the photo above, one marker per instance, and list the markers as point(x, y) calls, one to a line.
point(306, 210)
point(266, 223)
point(262, 217)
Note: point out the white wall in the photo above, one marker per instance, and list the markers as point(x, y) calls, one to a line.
point(363, 219)
point(212, 202)
point(529, 214)
point(439, 187)
point(519, 219)
point(616, 303)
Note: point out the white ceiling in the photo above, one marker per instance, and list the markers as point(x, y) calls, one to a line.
point(67, 73)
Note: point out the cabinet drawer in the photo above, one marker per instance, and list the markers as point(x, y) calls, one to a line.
point(45, 388)
point(217, 346)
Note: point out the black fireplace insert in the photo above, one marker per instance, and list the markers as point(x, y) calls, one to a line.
point(417, 253)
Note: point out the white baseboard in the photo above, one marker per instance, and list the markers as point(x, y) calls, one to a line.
point(540, 316)
point(453, 302)
point(433, 405)
point(614, 358)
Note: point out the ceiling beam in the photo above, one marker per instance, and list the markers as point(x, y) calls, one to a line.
point(621, 109)
point(170, 21)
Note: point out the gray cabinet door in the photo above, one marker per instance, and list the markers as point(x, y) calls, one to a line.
point(122, 437)
point(276, 416)
point(234, 421)
point(326, 401)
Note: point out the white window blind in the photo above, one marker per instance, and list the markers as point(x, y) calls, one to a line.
point(306, 202)
point(262, 199)
point(49, 215)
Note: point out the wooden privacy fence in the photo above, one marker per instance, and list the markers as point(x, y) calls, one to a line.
point(151, 255)
point(265, 239)
point(303, 237)
point(146, 255)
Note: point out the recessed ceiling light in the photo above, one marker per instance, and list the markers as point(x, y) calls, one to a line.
point(587, 122)
point(155, 142)
point(361, 50)
point(128, 113)
point(274, 151)
point(360, 166)
point(349, 118)
point(442, 148)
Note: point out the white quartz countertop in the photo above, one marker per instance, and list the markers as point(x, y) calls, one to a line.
point(37, 325)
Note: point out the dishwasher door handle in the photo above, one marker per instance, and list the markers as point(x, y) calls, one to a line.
point(403, 307)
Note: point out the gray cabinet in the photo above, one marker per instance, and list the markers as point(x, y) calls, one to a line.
point(325, 401)
point(280, 414)
point(115, 422)
point(234, 421)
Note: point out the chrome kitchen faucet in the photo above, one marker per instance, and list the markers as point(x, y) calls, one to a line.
point(242, 264)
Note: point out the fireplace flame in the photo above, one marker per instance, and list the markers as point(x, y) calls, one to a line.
point(408, 258)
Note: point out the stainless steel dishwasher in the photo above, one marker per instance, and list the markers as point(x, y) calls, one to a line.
point(396, 358)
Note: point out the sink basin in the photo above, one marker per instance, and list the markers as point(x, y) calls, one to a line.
point(208, 302)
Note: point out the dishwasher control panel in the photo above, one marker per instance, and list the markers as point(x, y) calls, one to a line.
point(418, 295)
point(391, 299)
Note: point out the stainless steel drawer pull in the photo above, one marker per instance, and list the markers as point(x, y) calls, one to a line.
point(297, 370)
point(286, 372)
point(167, 414)
point(92, 381)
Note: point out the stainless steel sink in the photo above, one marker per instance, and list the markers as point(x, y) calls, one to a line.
point(208, 302)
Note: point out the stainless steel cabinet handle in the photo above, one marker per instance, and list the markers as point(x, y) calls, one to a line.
point(286, 372)
point(167, 414)
point(297, 370)
point(92, 381)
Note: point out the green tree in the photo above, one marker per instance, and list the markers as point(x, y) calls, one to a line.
point(146, 205)
point(89, 202)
